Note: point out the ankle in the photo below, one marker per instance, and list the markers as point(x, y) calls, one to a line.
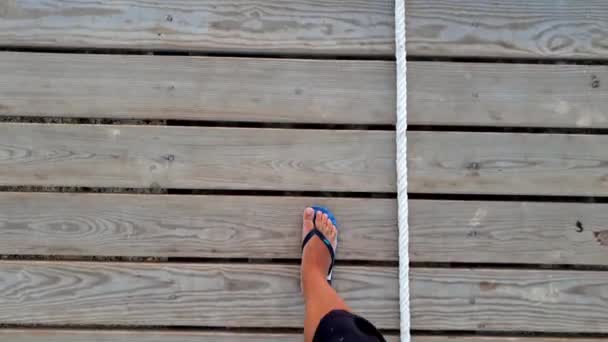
point(312, 278)
point(316, 257)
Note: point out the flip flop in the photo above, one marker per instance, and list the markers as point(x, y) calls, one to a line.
point(314, 231)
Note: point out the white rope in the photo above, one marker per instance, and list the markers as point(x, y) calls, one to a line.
point(404, 258)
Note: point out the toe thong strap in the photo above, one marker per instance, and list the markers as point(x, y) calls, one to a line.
point(326, 242)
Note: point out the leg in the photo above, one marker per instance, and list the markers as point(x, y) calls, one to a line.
point(320, 298)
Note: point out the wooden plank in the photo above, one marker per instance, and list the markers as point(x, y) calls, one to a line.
point(46, 335)
point(343, 27)
point(508, 232)
point(499, 163)
point(473, 338)
point(288, 159)
point(494, 94)
point(202, 88)
point(232, 295)
point(517, 28)
point(244, 227)
point(140, 336)
point(267, 295)
point(505, 300)
point(308, 91)
point(196, 157)
point(477, 28)
point(187, 226)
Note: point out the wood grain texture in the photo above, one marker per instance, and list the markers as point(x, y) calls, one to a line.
point(508, 232)
point(48, 335)
point(187, 226)
point(503, 300)
point(494, 94)
point(234, 295)
point(201, 88)
point(39, 335)
point(196, 157)
point(346, 27)
point(306, 91)
point(244, 158)
point(267, 295)
point(498, 163)
point(517, 28)
point(140, 336)
point(501, 339)
point(244, 227)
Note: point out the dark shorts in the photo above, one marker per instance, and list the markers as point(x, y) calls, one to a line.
point(343, 326)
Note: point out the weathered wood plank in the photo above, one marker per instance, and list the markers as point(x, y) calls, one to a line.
point(140, 336)
point(203, 88)
point(346, 27)
point(508, 232)
point(237, 158)
point(187, 226)
point(195, 157)
point(233, 295)
point(267, 295)
point(501, 339)
point(519, 28)
point(494, 94)
point(316, 91)
point(46, 335)
point(244, 227)
point(498, 163)
point(502, 300)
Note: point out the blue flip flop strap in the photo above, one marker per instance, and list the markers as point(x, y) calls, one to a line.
point(327, 243)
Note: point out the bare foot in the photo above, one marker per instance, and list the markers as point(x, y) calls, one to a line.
point(315, 256)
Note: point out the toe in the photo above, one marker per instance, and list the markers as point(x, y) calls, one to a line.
point(319, 220)
point(323, 227)
point(307, 217)
point(329, 226)
point(331, 231)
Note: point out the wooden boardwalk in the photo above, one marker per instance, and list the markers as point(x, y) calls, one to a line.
point(155, 158)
